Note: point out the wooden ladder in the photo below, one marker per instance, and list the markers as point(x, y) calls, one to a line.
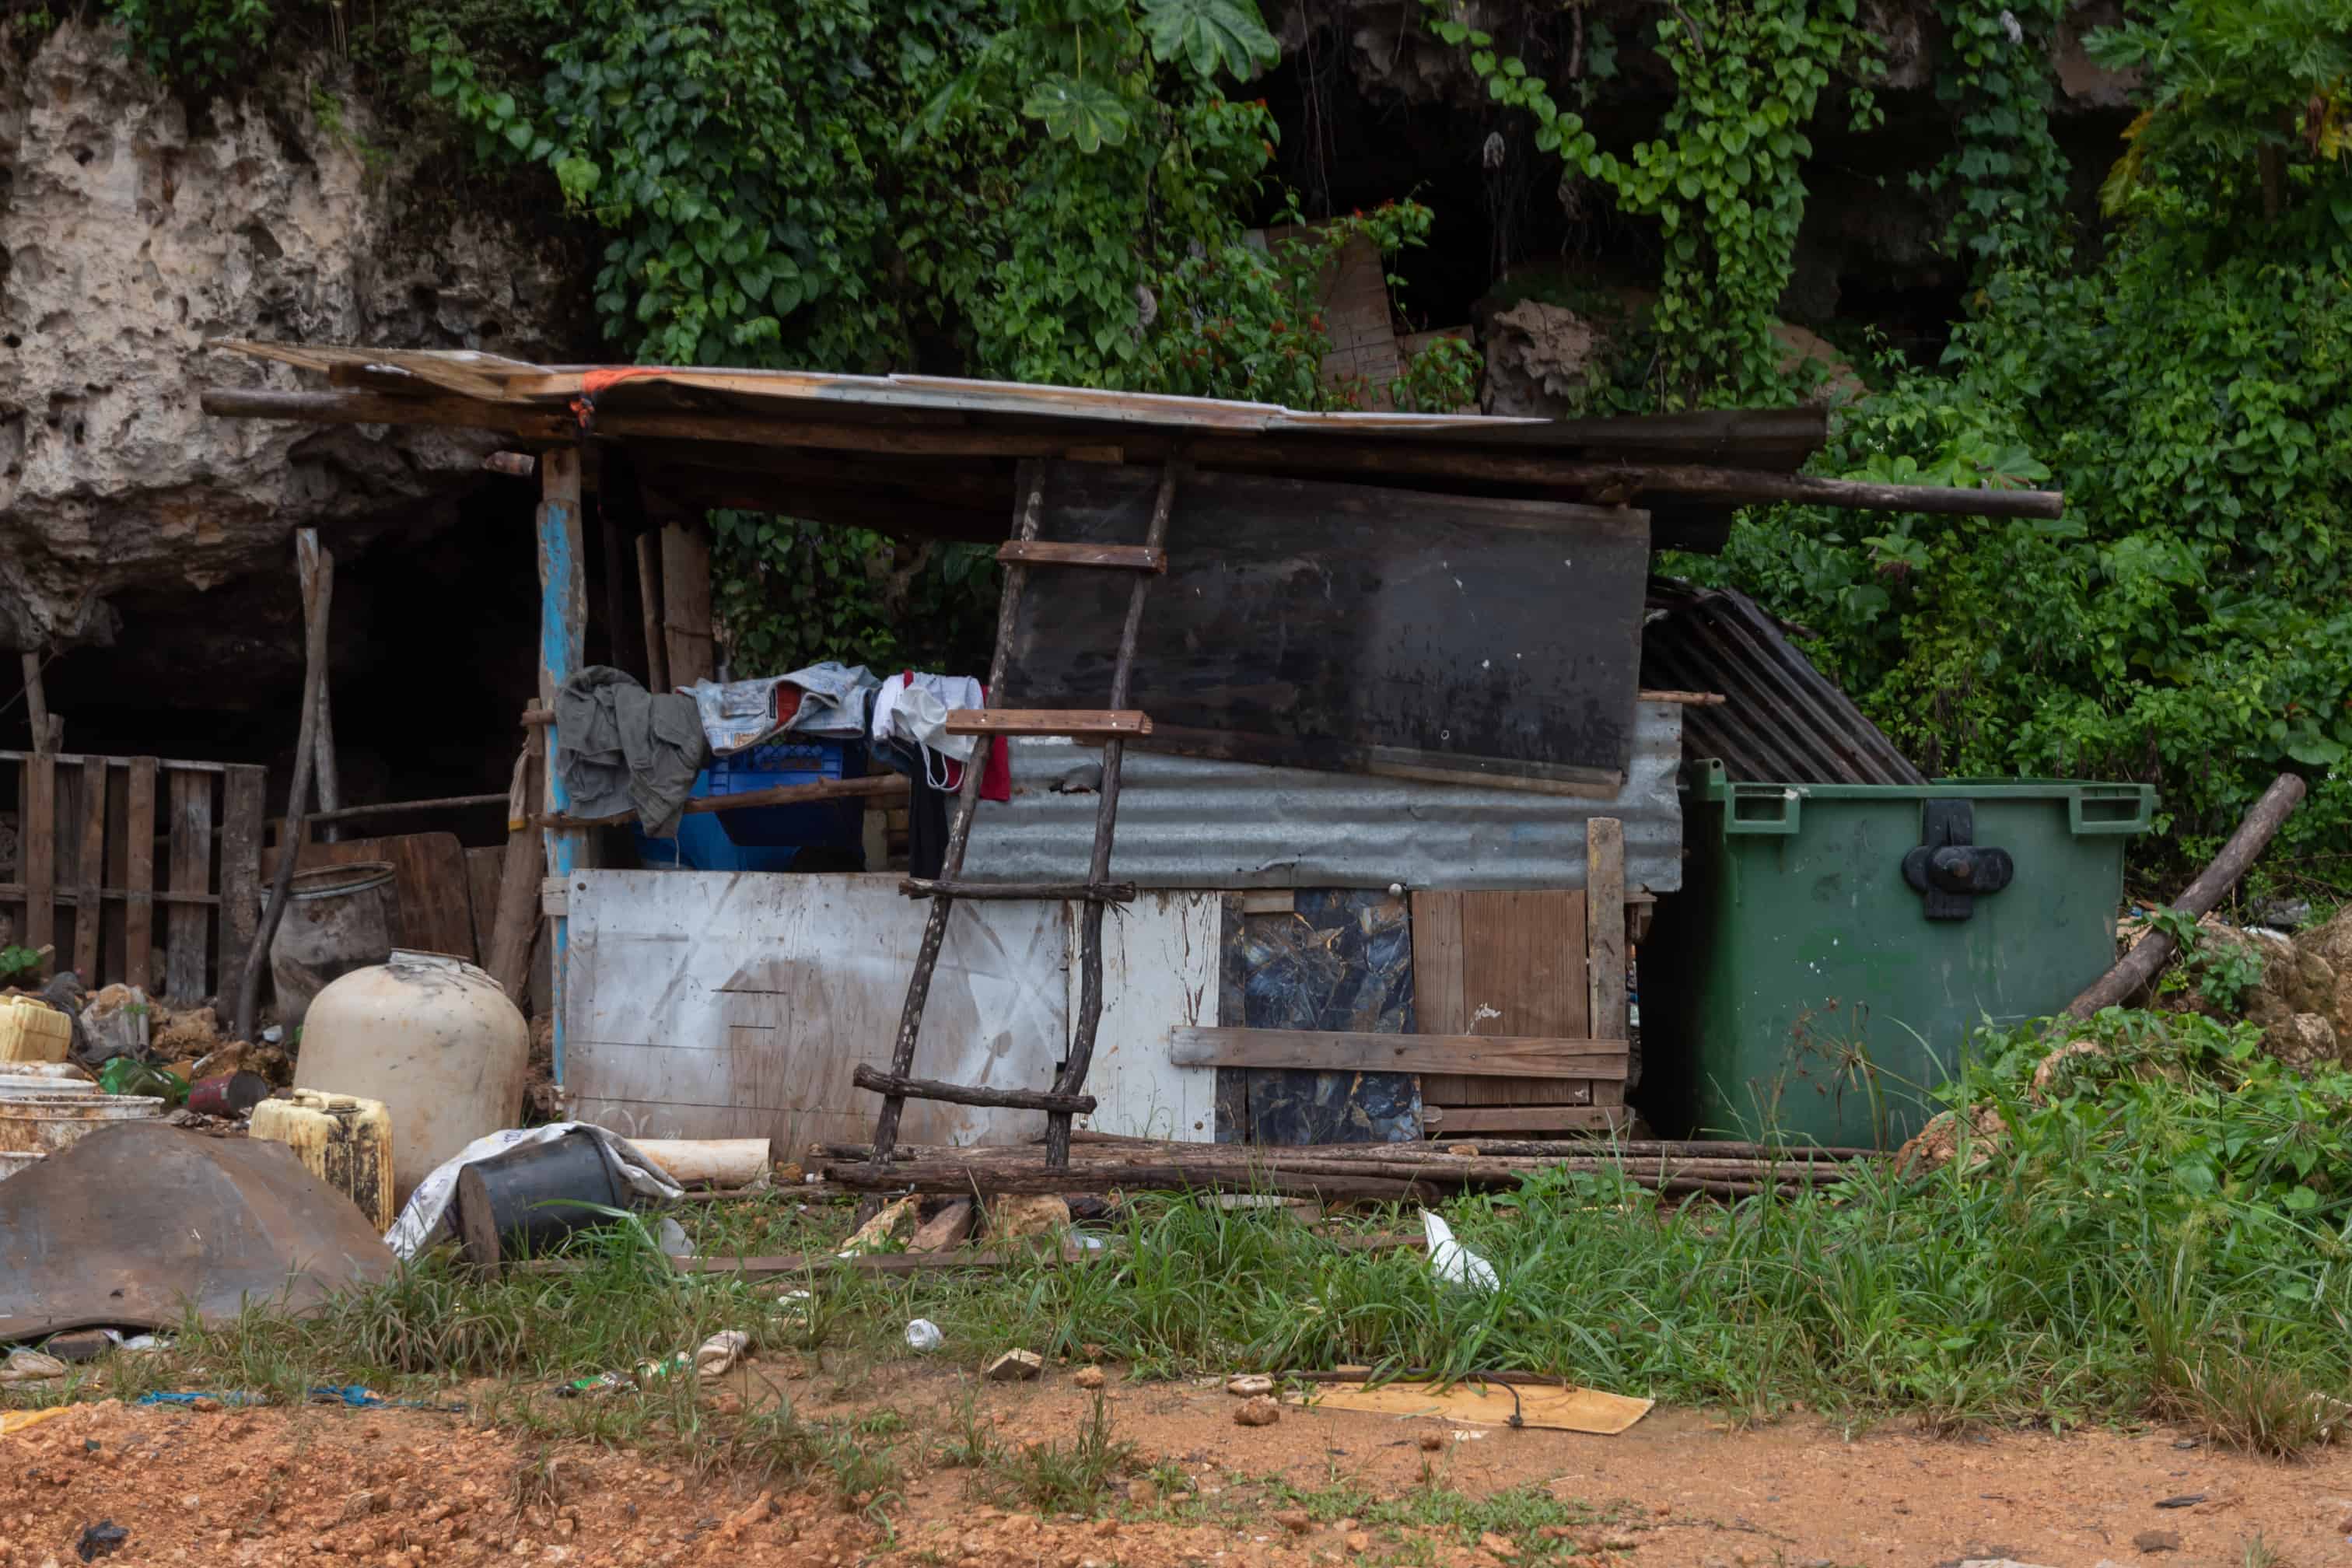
point(1112, 726)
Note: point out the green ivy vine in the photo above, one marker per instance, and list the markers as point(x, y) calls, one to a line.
point(2008, 167)
point(1722, 179)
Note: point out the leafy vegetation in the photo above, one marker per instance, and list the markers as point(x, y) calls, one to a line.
point(2192, 395)
point(1065, 191)
point(2157, 1229)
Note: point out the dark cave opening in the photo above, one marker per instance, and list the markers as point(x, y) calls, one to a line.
point(433, 653)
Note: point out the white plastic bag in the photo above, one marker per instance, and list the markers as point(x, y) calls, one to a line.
point(1453, 1262)
point(719, 1352)
point(923, 1334)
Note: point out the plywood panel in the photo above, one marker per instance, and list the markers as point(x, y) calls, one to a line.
point(704, 1004)
point(1520, 959)
point(1160, 969)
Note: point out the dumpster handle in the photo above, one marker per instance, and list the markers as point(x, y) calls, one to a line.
point(1763, 809)
point(2111, 810)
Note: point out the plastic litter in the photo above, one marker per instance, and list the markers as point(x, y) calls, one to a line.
point(100, 1540)
point(24, 1365)
point(922, 1334)
point(1453, 1262)
point(718, 1354)
point(426, 1219)
point(670, 1237)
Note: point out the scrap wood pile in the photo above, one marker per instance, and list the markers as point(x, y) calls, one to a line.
point(1418, 1173)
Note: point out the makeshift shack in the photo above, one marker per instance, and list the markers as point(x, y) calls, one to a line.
point(1335, 800)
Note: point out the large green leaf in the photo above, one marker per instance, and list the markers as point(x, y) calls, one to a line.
point(1076, 110)
point(1211, 34)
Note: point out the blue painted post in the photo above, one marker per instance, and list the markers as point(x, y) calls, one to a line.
point(563, 629)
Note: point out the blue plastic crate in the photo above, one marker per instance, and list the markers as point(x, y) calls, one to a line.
point(766, 839)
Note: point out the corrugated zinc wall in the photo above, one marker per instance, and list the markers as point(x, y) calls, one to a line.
point(1186, 822)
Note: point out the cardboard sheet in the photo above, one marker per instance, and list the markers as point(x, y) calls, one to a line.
point(1554, 1409)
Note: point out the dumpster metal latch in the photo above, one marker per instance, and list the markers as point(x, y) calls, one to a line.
point(1948, 869)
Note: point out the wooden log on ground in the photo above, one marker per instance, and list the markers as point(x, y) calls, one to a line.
point(952, 1176)
point(708, 1161)
point(2139, 966)
point(1099, 1149)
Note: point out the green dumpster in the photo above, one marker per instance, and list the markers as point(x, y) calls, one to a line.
point(1833, 945)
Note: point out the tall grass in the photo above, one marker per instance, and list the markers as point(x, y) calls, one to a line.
point(2164, 1230)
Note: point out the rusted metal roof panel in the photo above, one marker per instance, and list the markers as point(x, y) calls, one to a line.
point(1776, 440)
point(1782, 721)
point(1188, 822)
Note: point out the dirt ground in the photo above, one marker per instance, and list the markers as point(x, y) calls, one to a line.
point(407, 1488)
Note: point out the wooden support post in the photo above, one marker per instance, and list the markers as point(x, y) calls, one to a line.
point(685, 603)
point(650, 603)
point(1604, 926)
point(139, 880)
point(329, 784)
point(290, 845)
point(89, 907)
point(36, 840)
point(36, 705)
point(563, 631)
point(517, 922)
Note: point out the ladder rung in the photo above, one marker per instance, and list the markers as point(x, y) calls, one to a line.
point(1052, 552)
point(1079, 723)
point(866, 1076)
point(937, 887)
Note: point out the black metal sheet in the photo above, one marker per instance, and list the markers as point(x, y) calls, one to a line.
point(1341, 960)
point(1349, 628)
point(140, 1221)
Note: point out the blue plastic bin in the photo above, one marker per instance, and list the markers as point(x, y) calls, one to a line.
point(768, 837)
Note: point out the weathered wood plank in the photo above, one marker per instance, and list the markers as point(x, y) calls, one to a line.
point(113, 925)
point(1534, 1119)
point(1064, 552)
point(686, 603)
point(1343, 626)
point(90, 868)
point(36, 848)
point(1080, 724)
point(139, 904)
point(240, 860)
point(1486, 1055)
point(1605, 887)
point(188, 929)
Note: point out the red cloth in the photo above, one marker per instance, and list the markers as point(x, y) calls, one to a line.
point(995, 774)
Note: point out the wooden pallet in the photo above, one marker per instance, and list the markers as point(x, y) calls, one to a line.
point(137, 869)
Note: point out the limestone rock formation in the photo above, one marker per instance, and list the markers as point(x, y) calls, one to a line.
point(137, 232)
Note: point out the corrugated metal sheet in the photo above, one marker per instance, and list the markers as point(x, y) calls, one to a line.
point(1782, 720)
point(1186, 822)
